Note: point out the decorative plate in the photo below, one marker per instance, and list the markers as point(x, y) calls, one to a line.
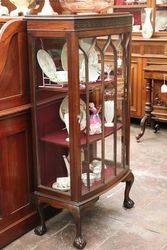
point(85, 44)
point(64, 57)
point(47, 64)
point(64, 109)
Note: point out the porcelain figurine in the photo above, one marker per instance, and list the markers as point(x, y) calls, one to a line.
point(95, 121)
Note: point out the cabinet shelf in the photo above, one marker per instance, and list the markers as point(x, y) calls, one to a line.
point(109, 175)
point(64, 89)
point(59, 137)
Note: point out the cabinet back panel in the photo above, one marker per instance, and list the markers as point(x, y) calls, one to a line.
point(48, 121)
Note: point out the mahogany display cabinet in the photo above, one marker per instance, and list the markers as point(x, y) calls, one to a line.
point(80, 112)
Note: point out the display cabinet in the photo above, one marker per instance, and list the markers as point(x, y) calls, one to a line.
point(80, 110)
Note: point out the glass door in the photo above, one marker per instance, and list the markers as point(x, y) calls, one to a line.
point(104, 108)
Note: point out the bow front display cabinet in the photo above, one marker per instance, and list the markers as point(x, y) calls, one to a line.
point(80, 110)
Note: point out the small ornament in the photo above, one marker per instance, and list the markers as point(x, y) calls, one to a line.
point(95, 121)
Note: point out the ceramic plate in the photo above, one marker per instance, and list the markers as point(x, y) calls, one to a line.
point(64, 57)
point(85, 44)
point(47, 64)
point(64, 109)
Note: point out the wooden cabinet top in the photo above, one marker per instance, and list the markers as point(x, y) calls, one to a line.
point(79, 22)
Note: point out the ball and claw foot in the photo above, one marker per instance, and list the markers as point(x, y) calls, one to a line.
point(79, 242)
point(128, 203)
point(40, 230)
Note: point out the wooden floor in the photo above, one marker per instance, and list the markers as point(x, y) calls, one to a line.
point(107, 225)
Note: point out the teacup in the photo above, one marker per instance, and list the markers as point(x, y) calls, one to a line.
point(62, 183)
point(97, 172)
point(91, 176)
point(96, 163)
point(62, 76)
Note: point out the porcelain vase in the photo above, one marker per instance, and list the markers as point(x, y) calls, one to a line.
point(147, 29)
point(109, 113)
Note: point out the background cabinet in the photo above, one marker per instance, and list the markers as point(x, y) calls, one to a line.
point(144, 53)
point(136, 87)
point(17, 213)
point(136, 8)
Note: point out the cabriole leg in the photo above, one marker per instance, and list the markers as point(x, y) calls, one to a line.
point(79, 242)
point(41, 229)
point(142, 126)
point(128, 203)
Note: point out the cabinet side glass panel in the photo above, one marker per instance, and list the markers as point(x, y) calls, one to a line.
point(101, 132)
point(51, 113)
